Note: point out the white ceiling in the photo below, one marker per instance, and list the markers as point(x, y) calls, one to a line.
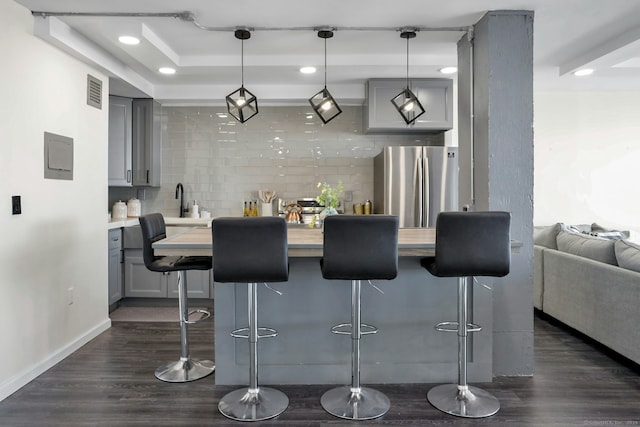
point(568, 34)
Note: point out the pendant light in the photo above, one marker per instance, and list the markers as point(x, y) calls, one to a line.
point(241, 103)
point(406, 102)
point(322, 102)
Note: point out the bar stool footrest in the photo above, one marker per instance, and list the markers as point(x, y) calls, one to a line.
point(244, 333)
point(205, 315)
point(365, 329)
point(454, 327)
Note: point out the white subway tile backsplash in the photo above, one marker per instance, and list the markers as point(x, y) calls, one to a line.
point(285, 149)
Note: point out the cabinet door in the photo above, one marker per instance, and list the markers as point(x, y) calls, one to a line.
point(120, 173)
point(115, 276)
point(146, 143)
point(140, 282)
point(435, 95)
point(115, 266)
point(198, 285)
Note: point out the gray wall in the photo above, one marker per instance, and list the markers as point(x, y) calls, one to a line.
point(222, 162)
point(503, 169)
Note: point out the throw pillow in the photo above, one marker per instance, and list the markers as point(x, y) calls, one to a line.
point(587, 246)
point(546, 236)
point(628, 255)
point(600, 231)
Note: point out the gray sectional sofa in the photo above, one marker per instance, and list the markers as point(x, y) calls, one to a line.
point(591, 284)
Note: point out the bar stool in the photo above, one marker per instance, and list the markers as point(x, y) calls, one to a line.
point(185, 369)
point(467, 244)
point(251, 250)
point(358, 248)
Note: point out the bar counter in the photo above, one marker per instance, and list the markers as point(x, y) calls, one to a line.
point(406, 348)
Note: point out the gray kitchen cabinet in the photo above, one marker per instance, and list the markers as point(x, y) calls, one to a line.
point(146, 142)
point(115, 265)
point(120, 142)
point(435, 95)
point(140, 282)
point(198, 285)
point(134, 142)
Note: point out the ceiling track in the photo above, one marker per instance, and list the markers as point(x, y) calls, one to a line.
point(190, 17)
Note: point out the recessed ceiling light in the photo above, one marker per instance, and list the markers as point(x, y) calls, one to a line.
point(583, 72)
point(129, 40)
point(449, 70)
point(308, 70)
point(167, 70)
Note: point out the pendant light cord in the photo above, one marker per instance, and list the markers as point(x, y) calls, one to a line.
point(325, 63)
point(407, 62)
point(242, 62)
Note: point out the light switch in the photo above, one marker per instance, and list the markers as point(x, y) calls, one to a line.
point(16, 205)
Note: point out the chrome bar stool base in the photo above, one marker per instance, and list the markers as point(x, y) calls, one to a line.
point(246, 405)
point(365, 404)
point(467, 401)
point(184, 371)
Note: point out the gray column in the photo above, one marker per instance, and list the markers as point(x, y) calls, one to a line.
point(501, 174)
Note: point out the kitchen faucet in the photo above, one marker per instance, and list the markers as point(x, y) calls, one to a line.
point(180, 190)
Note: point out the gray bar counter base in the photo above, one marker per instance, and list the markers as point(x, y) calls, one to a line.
point(406, 349)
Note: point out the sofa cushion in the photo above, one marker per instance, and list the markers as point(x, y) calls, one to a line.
point(587, 246)
point(628, 255)
point(546, 236)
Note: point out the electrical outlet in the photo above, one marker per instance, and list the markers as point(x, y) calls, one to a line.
point(70, 295)
point(16, 205)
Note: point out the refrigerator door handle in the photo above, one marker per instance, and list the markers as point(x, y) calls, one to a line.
point(424, 218)
point(419, 193)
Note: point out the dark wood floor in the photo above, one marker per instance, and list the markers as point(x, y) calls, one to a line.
point(110, 382)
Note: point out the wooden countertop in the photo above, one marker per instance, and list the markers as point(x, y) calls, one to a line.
point(303, 242)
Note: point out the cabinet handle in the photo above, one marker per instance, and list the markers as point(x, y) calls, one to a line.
point(129, 175)
point(147, 176)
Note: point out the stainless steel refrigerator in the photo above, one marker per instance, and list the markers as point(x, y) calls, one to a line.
point(415, 183)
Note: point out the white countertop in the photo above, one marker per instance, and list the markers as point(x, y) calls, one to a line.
point(168, 220)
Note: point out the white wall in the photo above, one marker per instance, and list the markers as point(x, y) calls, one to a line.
point(587, 159)
point(60, 240)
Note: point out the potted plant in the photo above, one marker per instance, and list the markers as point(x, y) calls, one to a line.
point(329, 197)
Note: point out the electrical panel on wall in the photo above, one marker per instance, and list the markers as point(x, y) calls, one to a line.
point(58, 156)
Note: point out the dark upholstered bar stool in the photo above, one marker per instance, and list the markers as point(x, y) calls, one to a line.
point(358, 248)
point(468, 244)
point(186, 368)
point(251, 250)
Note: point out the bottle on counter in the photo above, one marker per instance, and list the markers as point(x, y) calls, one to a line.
point(245, 211)
point(368, 207)
point(195, 210)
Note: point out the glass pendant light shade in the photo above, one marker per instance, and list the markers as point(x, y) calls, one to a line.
point(322, 102)
point(408, 105)
point(406, 102)
point(324, 105)
point(241, 103)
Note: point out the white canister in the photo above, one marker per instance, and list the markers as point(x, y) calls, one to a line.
point(119, 210)
point(134, 208)
point(195, 210)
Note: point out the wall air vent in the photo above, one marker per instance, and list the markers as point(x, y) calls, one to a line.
point(94, 92)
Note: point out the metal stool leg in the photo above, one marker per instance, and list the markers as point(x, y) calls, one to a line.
point(254, 403)
point(186, 369)
point(461, 399)
point(355, 402)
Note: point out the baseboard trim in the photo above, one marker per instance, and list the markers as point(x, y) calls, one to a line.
point(18, 381)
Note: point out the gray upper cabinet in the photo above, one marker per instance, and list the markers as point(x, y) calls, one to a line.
point(120, 142)
point(435, 95)
point(134, 142)
point(146, 143)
